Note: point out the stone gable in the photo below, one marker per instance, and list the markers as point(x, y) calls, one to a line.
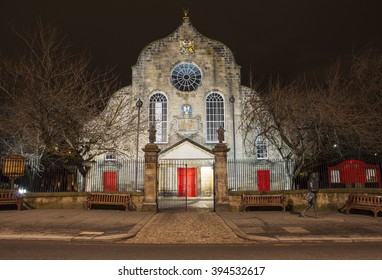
point(220, 73)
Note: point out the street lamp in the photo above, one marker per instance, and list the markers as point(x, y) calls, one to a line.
point(232, 101)
point(139, 105)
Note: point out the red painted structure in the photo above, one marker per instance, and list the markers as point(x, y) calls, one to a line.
point(110, 181)
point(187, 182)
point(354, 171)
point(263, 180)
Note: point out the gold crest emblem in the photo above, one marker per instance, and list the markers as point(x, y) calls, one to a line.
point(186, 46)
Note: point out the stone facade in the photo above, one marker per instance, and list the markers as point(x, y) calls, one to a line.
point(190, 85)
point(186, 110)
point(220, 73)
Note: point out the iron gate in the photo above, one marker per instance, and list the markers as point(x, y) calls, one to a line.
point(186, 185)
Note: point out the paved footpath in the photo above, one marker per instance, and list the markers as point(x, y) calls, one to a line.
point(186, 228)
point(277, 226)
point(71, 224)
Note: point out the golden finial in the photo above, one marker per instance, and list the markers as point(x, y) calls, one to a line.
point(185, 12)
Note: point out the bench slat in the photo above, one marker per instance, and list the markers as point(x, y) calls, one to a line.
point(262, 200)
point(364, 202)
point(11, 197)
point(108, 199)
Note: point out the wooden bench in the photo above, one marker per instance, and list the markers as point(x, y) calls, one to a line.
point(364, 202)
point(121, 199)
point(248, 200)
point(11, 197)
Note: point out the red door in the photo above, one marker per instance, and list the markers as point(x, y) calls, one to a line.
point(110, 181)
point(263, 180)
point(187, 182)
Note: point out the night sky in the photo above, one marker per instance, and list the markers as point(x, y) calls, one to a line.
point(272, 37)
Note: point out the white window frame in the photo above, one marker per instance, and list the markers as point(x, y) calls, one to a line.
point(110, 157)
point(261, 148)
point(371, 175)
point(335, 176)
point(218, 118)
point(160, 113)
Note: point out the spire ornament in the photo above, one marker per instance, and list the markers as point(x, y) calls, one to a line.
point(185, 12)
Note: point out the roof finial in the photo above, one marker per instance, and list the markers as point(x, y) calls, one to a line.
point(185, 12)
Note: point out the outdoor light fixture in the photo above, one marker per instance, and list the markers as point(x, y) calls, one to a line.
point(232, 101)
point(139, 105)
point(22, 191)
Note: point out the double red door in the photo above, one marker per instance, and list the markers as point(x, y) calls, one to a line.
point(187, 182)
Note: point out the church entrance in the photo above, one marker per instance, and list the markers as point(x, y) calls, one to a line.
point(185, 185)
point(186, 178)
point(187, 182)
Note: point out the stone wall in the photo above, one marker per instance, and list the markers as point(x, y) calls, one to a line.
point(329, 199)
point(67, 200)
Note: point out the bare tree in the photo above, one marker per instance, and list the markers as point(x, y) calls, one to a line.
point(285, 115)
point(366, 84)
point(56, 105)
point(308, 123)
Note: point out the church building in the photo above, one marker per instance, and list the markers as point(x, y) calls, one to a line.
point(189, 86)
point(188, 80)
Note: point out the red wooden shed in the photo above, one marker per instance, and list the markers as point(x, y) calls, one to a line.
point(354, 171)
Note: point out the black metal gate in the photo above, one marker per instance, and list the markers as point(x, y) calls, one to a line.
point(186, 185)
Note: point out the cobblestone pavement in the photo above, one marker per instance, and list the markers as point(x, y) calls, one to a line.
point(188, 228)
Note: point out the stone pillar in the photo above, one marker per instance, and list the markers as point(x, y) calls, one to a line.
point(151, 168)
point(221, 176)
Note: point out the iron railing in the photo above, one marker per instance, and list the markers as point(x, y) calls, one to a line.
point(264, 175)
point(124, 175)
point(258, 175)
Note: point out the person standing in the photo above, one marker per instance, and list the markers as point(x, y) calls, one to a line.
point(311, 196)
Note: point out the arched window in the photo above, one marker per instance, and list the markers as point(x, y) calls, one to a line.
point(261, 148)
point(214, 115)
point(261, 145)
point(158, 116)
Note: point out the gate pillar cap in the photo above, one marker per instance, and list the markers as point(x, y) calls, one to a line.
point(221, 147)
point(151, 148)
